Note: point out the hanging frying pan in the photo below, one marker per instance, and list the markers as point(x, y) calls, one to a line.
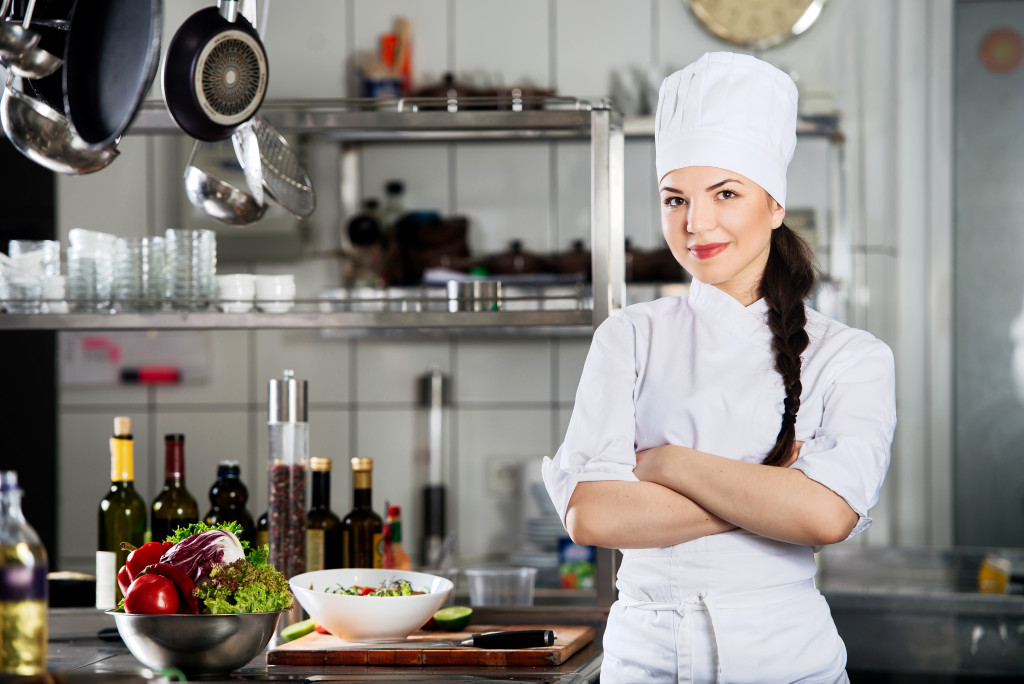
point(215, 73)
point(110, 61)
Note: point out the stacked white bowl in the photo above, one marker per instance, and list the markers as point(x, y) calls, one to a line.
point(275, 293)
point(235, 292)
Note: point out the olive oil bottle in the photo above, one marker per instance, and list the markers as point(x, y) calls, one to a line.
point(362, 528)
point(323, 528)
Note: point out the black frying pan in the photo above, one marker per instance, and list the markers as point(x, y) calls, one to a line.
point(215, 74)
point(110, 61)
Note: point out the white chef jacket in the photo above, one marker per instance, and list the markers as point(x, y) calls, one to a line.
point(698, 371)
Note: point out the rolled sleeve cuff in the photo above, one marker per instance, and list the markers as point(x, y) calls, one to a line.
point(848, 466)
point(561, 482)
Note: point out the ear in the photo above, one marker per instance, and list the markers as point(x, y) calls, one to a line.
point(778, 214)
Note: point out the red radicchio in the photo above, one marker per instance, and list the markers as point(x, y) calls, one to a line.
point(200, 553)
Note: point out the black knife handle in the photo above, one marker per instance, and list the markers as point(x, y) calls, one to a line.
point(518, 638)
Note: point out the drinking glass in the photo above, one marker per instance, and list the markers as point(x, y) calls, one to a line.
point(139, 273)
point(191, 264)
point(90, 270)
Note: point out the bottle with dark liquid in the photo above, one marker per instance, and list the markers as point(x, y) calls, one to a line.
point(122, 515)
point(363, 529)
point(228, 497)
point(174, 506)
point(323, 528)
point(23, 613)
point(263, 529)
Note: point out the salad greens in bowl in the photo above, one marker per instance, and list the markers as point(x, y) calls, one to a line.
point(366, 605)
point(202, 601)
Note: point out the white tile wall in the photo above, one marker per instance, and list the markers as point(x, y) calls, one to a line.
point(498, 43)
point(504, 189)
point(492, 371)
point(486, 516)
point(387, 371)
point(513, 397)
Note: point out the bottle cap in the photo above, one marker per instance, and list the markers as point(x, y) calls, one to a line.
point(434, 388)
point(288, 399)
point(394, 511)
point(174, 437)
point(228, 469)
point(320, 464)
point(394, 187)
point(362, 464)
point(8, 481)
point(122, 426)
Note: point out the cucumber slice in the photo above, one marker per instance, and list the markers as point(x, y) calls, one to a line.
point(293, 632)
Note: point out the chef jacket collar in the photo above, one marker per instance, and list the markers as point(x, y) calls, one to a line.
point(726, 311)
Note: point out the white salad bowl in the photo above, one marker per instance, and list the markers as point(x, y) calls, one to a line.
point(369, 618)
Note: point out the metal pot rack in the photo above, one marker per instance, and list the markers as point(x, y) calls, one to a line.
point(352, 122)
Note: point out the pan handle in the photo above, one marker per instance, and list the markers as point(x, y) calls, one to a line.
point(228, 9)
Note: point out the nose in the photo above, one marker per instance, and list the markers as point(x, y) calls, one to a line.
point(700, 218)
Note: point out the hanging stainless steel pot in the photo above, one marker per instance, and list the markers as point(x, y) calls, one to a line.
point(215, 73)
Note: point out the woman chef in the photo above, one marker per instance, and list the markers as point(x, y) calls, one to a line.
point(718, 438)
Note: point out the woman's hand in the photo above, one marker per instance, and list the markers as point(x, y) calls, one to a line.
point(650, 463)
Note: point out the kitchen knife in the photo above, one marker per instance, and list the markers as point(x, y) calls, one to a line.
point(517, 638)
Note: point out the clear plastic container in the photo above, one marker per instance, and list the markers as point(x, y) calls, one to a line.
point(501, 586)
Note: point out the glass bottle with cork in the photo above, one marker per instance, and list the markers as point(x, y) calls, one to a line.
point(174, 506)
point(228, 497)
point(323, 528)
point(122, 515)
point(23, 565)
point(362, 528)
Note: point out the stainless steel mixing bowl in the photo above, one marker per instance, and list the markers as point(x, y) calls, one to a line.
point(43, 135)
point(196, 644)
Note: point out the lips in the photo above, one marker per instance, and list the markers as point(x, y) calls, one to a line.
point(707, 251)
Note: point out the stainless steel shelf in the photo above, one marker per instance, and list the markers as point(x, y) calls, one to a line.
point(403, 120)
point(372, 323)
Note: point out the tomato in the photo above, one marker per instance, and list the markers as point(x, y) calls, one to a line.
point(363, 591)
point(123, 580)
point(320, 629)
point(147, 554)
point(151, 595)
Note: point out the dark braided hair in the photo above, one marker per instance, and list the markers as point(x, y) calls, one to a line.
point(787, 281)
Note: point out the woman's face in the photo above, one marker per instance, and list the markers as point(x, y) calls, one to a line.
point(719, 226)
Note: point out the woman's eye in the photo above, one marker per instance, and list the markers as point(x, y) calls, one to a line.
point(674, 201)
point(727, 194)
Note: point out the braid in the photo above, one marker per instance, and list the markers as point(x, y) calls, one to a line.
point(787, 281)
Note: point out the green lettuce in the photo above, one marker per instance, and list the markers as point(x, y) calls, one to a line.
point(245, 587)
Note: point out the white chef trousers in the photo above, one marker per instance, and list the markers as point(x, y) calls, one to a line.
point(777, 635)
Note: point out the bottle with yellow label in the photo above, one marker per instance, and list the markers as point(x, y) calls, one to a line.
point(362, 528)
point(122, 515)
point(323, 528)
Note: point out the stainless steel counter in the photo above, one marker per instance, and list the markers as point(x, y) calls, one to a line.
point(75, 646)
point(919, 612)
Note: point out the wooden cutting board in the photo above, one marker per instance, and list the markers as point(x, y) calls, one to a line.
point(327, 649)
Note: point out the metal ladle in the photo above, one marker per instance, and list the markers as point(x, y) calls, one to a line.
point(219, 199)
point(33, 62)
point(43, 135)
point(14, 39)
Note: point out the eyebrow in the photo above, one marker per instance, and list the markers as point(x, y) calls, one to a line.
point(707, 189)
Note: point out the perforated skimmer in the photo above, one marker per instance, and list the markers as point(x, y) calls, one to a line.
point(283, 175)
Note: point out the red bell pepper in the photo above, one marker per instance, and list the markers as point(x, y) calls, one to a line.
point(182, 581)
point(147, 554)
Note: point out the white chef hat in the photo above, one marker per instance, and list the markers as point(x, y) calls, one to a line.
point(731, 111)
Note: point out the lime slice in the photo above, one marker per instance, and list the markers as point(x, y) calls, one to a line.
point(293, 632)
point(453, 618)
